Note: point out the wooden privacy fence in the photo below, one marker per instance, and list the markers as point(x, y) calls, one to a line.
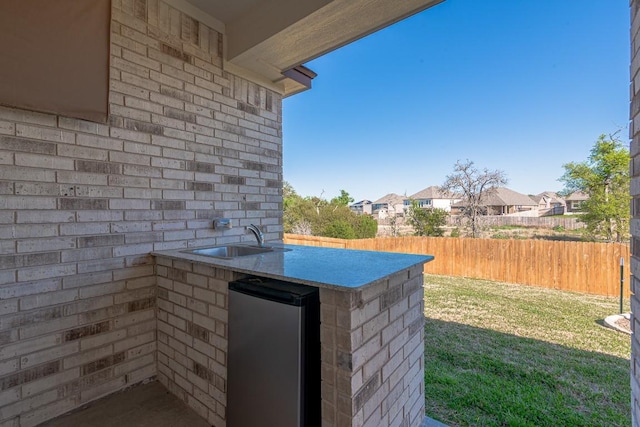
point(567, 222)
point(572, 266)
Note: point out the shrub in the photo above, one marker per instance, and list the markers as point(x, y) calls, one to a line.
point(365, 227)
point(339, 229)
point(427, 221)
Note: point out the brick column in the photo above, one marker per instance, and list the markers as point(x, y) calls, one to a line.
point(192, 335)
point(373, 353)
point(634, 134)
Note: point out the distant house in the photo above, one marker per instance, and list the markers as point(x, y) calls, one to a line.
point(388, 205)
point(503, 201)
point(574, 201)
point(432, 197)
point(361, 207)
point(550, 203)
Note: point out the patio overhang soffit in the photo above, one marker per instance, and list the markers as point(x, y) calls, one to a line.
point(269, 40)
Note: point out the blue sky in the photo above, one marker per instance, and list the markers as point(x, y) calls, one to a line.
point(516, 85)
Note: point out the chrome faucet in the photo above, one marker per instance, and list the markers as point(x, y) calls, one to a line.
point(256, 232)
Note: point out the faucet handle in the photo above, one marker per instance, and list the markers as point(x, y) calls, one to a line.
point(222, 223)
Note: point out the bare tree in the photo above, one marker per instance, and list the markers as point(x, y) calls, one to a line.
point(473, 186)
point(394, 225)
point(303, 227)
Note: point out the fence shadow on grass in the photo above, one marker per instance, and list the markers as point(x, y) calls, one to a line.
point(560, 238)
point(481, 377)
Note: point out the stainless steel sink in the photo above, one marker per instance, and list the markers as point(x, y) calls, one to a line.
point(234, 251)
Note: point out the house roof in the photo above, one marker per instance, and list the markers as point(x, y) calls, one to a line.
point(549, 194)
point(391, 198)
point(360, 203)
point(432, 192)
point(502, 196)
point(577, 196)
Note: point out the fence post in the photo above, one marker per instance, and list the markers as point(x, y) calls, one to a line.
point(621, 281)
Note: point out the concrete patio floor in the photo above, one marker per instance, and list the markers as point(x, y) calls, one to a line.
point(147, 405)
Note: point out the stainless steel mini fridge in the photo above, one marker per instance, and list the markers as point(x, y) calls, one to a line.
point(273, 360)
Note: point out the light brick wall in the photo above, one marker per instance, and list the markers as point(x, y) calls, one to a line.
point(192, 335)
point(82, 204)
point(372, 344)
point(634, 134)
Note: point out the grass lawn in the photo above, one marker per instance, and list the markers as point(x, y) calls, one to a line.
point(499, 354)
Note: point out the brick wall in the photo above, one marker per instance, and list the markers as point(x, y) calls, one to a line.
point(192, 335)
point(372, 344)
point(634, 134)
point(82, 204)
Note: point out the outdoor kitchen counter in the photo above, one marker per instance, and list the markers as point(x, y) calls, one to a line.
point(315, 266)
point(371, 329)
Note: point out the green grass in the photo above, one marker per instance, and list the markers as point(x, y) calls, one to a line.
point(504, 236)
point(521, 232)
point(509, 227)
point(499, 354)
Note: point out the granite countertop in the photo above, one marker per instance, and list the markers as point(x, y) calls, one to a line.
point(310, 265)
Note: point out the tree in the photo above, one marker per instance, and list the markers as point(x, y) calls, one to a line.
point(394, 225)
point(319, 217)
point(295, 210)
point(473, 186)
point(604, 176)
point(343, 199)
point(427, 221)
